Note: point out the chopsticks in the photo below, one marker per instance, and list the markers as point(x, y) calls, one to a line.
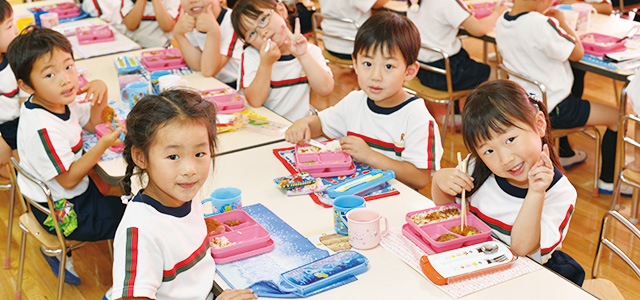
point(463, 214)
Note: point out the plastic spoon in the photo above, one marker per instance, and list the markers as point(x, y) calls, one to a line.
point(315, 143)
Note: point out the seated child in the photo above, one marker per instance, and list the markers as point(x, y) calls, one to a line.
point(104, 9)
point(515, 186)
point(439, 23)
point(207, 41)
point(537, 42)
point(382, 125)
point(9, 91)
point(171, 137)
point(149, 23)
point(50, 138)
point(278, 67)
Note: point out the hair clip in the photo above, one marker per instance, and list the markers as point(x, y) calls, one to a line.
point(534, 99)
point(126, 198)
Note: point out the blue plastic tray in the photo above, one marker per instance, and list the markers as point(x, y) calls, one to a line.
point(354, 187)
point(126, 64)
point(324, 272)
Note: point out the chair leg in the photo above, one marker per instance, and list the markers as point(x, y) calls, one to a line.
point(616, 195)
point(61, 272)
point(110, 244)
point(7, 258)
point(595, 193)
point(445, 125)
point(634, 207)
point(23, 246)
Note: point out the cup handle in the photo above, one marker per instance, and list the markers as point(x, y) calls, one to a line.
point(386, 226)
point(122, 95)
point(594, 11)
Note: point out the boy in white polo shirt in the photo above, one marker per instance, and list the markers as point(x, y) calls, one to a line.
point(149, 23)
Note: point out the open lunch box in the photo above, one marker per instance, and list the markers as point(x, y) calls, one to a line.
point(248, 238)
point(600, 44)
point(165, 59)
point(64, 9)
point(431, 223)
point(323, 164)
point(227, 100)
point(94, 34)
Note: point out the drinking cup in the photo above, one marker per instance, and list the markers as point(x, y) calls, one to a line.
point(585, 13)
point(341, 206)
point(155, 75)
point(134, 92)
point(170, 81)
point(123, 80)
point(49, 20)
point(226, 199)
point(364, 227)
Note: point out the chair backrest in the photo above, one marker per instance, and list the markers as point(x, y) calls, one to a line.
point(315, 23)
point(625, 139)
point(612, 214)
point(447, 66)
point(27, 203)
point(540, 85)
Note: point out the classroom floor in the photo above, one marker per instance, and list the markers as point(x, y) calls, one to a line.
point(93, 263)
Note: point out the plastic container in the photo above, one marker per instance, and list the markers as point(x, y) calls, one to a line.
point(126, 64)
point(324, 164)
point(415, 238)
point(249, 237)
point(227, 100)
point(430, 232)
point(223, 200)
point(165, 59)
point(600, 44)
point(323, 273)
point(361, 183)
point(482, 10)
point(64, 10)
point(94, 34)
point(467, 262)
point(102, 129)
point(49, 20)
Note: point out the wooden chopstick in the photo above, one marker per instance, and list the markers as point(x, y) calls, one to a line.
point(463, 213)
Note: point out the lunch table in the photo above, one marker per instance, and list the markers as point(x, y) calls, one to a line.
point(253, 171)
point(103, 68)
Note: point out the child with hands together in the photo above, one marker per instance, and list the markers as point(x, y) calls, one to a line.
point(149, 23)
point(514, 182)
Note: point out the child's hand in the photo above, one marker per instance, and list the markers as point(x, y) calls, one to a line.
point(500, 7)
point(541, 174)
point(356, 147)
point(185, 24)
point(112, 138)
point(245, 294)
point(269, 52)
point(452, 181)
point(298, 133)
point(297, 41)
point(206, 21)
point(96, 91)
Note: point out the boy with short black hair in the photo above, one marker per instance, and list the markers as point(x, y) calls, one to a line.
point(382, 125)
point(9, 92)
point(50, 139)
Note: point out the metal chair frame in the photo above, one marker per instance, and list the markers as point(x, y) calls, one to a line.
point(611, 245)
point(625, 176)
point(317, 32)
point(11, 188)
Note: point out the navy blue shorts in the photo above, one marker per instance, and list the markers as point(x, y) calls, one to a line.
point(98, 215)
point(566, 266)
point(572, 112)
point(340, 55)
point(9, 131)
point(466, 73)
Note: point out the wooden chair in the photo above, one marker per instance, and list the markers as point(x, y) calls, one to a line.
point(318, 33)
point(558, 133)
point(601, 287)
point(9, 185)
point(626, 176)
point(28, 223)
point(447, 97)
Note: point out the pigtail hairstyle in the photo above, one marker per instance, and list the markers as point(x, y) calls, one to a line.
point(491, 109)
point(154, 111)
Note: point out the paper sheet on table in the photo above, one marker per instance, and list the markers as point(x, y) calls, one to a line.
point(408, 252)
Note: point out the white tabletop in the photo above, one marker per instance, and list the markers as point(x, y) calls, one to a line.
point(388, 277)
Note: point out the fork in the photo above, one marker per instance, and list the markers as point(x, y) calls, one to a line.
point(498, 259)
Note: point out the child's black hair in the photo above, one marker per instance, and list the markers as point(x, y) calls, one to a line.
point(154, 111)
point(32, 44)
point(388, 32)
point(491, 109)
point(250, 9)
point(5, 10)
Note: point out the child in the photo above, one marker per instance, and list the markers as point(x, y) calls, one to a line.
point(515, 186)
point(9, 92)
point(356, 10)
point(50, 137)
point(107, 10)
point(382, 125)
point(149, 23)
point(278, 67)
point(439, 24)
point(540, 47)
point(171, 138)
point(207, 41)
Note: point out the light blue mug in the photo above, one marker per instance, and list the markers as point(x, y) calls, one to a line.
point(134, 92)
point(226, 199)
point(341, 206)
point(155, 86)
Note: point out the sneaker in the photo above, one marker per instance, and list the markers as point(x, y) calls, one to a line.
point(578, 158)
point(107, 295)
point(70, 275)
point(607, 188)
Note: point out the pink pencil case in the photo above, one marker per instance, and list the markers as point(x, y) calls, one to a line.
point(64, 10)
point(94, 34)
point(323, 164)
point(430, 232)
point(102, 129)
point(227, 100)
point(247, 239)
point(165, 59)
point(600, 44)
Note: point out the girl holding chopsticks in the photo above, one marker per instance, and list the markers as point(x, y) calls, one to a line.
point(513, 179)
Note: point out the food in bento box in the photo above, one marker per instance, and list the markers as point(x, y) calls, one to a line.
point(214, 227)
point(433, 216)
point(108, 114)
point(466, 231)
point(220, 242)
point(309, 149)
point(232, 223)
point(332, 146)
point(446, 237)
point(152, 53)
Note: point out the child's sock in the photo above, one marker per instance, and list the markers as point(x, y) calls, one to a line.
point(565, 147)
point(608, 155)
